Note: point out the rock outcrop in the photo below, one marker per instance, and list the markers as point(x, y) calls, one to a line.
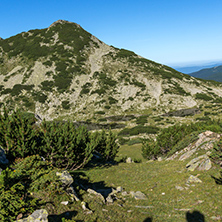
point(67, 181)
point(36, 216)
point(204, 144)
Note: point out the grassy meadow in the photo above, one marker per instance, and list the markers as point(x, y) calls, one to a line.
point(158, 181)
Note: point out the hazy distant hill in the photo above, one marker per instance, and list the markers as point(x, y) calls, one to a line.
point(64, 71)
point(214, 73)
point(196, 68)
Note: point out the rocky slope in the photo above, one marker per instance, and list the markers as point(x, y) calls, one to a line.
point(65, 72)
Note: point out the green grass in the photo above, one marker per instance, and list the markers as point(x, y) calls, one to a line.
point(153, 179)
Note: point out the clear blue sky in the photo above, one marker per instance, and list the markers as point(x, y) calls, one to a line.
point(171, 32)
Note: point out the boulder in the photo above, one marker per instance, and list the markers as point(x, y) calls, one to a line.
point(193, 179)
point(200, 163)
point(205, 165)
point(91, 191)
point(187, 154)
point(36, 216)
point(138, 195)
point(67, 181)
point(129, 160)
point(65, 178)
point(119, 189)
point(86, 210)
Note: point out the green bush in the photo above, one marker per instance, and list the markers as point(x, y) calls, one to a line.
point(125, 53)
point(139, 129)
point(14, 197)
point(62, 144)
point(169, 138)
point(112, 100)
point(100, 112)
point(39, 96)
point(105, 144)
point(150, 150)
point(47, 85)
point(99, 91)
point(65, 104)
point(216, 154)
point(141, 120)
point(66, 146)
point(203, 96)
point(184, 142)
point(17, 135)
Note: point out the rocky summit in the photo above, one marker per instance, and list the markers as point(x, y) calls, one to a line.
point(65, 72)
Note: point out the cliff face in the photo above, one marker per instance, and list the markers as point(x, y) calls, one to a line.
point(65, 71)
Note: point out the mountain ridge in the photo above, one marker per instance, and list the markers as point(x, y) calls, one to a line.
point(64, 71)
point(214, 73)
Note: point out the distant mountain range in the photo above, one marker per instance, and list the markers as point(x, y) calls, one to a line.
point(214, 73)
point(196, 68)
point(65, 72)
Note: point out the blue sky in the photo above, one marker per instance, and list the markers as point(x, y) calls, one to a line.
point(171, 32)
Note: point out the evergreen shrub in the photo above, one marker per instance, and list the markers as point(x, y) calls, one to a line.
point(168, 139)
point(105, 144)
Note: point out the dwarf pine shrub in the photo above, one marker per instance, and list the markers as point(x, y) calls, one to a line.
point(17, 135)
point(61, 143)
point(14, 198)
point(105, 144)
point(176, 137)
point(64, 145)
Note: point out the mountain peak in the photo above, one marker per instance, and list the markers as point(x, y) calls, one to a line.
point(60, 21)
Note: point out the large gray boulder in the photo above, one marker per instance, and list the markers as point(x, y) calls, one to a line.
point(199, 163)
point(36, 216)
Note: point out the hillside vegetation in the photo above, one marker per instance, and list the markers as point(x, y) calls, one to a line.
point(30, 180)
point(64, 72)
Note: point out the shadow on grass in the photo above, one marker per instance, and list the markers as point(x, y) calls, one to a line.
point(65, 215)
point(83, 182)
point(195, 216)
point(148, 219)
point(217, 180)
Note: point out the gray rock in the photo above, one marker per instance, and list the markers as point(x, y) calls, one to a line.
point(179, 188)
point(3, 159)
point(138, 195)
point(129, 160)
point(187, 154)
point(193, 179)
point(65, 177)
point(216, 218)
point(111, 196)
point(36, 216)
point(67, 180)
point(124, 193)
point(109, 199)
point(160, 158)
point(64, 202)
point(205, 165)
point(91, 191)
point(87, 210)
point(119, 189)
point(200, 163)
